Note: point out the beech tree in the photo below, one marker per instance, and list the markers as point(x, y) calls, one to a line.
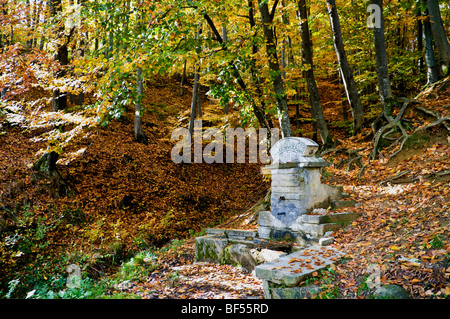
point(439, 35)
point(307, 58)
point(275, 72)
point(62, 53)
point(384, 84)
point(345, 70)
point(432, 71)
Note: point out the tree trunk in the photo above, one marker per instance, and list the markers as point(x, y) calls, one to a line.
point(420, 42)
point(259, 112)
point(139, 135)
point(307, 58)
point(384, 84)
point(199, 100)
point(194, 101)
point(346, 72)
point(59, 101)
point(275, 71)
point(432, 69)
point(183, 78)
point(440, 38)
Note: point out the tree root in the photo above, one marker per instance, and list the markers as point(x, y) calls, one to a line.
point(353, 156)
point(392, 126)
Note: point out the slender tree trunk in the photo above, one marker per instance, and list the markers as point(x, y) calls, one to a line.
point(139, 135)
point(59, 101)
point(183, 78)
point(307, 58)
point(346, 72)
point(384, 84)
point(420, 41)
point(432, 69)
point(275, 71)
point(259, 112)
point(138, 131)
point(440, 38)
point(199, 99)
point(194, 101)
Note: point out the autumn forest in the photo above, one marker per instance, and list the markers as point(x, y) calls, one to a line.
point(92, 91)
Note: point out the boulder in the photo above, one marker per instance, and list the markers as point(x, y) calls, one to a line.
point(391, 292)
point(240, 254)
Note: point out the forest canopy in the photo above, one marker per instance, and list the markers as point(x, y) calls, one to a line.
point(90, 58)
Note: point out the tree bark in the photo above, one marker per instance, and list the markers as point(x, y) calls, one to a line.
point(275, 71)
point(259, 112)
point(432, 69)
point(139, 135)
point(346, 72)
point(59, 101)
point(384, 84)
point(420, 42)
point(307, 58)
point(440, 38)
point(194, 101)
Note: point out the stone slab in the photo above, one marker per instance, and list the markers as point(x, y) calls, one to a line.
point(332, 218)
point(233, 234)
point(291, 149)
point(210, 248)
point(236, 234)
point(294, 292)
point(290, 270)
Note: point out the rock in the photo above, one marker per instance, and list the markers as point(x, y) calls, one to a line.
point(391, 292)
point(240, 254)
point(295, 292)
point(266, 255)
point(325, 241)
point(210, 248)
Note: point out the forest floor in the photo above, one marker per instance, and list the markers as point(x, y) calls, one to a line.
point(129, 197)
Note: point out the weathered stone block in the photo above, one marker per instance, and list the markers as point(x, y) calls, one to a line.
point(332, 218)
point(294, 292)
point(237, 234)
point(292, 149)
point(239, 254)
point(325, 241)
point(210, 248)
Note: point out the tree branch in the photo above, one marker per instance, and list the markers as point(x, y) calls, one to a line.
point(272, 12)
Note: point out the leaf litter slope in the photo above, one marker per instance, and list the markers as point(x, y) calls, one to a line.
point(405, 206)
point(403, 234)
point(134, 194)
point(127, 195)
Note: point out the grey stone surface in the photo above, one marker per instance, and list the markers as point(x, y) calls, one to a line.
point(325, 241)
point(391, 292)
point(237, 234)
point(291, 269)
point(294, 292)
point(331, 218)
point(266, 255)
point(292, 149)
point(298, 192)
point(240, 254)
point(210, 248)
